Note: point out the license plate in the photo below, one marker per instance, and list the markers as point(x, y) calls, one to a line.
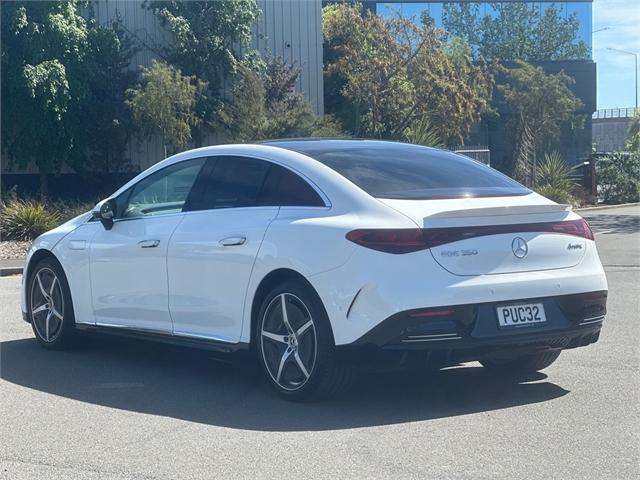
point(520, 315)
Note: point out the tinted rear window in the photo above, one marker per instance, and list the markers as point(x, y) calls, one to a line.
point(404, 171)
point(282, 187)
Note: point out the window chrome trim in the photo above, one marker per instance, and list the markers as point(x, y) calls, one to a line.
point(327, 202)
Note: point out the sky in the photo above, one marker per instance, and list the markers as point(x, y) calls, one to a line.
point(616, 70)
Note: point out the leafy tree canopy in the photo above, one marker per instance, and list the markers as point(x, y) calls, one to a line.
point(517, 31)
point(264, 106)
point(633, 138)
point(63, 77)
point(541, 105)
point(44, 82)
point(385, 74)
point(210, 40)
point(165, 104)
point(108, 122)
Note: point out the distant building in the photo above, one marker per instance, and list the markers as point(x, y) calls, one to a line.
point(610, 129)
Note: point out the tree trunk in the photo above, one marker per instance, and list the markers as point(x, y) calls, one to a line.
point(44, 186)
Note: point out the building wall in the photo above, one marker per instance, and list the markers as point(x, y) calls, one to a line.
point(288, 28)
point(610, 134)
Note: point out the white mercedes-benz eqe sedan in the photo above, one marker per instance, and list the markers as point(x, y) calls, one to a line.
point(317, 254)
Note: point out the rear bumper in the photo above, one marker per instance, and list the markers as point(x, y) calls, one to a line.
point(374, 286)
point(471, 332)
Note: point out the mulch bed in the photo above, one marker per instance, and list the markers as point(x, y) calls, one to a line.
point(13, 250)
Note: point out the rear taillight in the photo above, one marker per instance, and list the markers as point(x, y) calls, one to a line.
point(577, 228)
point(406, 240)
point(403, 240)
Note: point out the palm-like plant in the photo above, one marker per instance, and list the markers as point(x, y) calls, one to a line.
point(25, 220)
point(553, 179)
point(424, 133)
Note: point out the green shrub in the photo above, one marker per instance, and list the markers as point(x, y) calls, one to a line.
point(25, 220)
point(619, 177)
point(69, 209)
point(553, 179)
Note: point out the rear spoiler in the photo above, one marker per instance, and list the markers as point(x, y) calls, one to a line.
point(500, 211)
point(513, 214)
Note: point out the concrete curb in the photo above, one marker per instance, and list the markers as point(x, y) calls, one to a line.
point(606, 207)
point(6, 271)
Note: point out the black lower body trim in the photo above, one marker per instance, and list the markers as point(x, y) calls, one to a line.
point(460, 333)
point(179, 340)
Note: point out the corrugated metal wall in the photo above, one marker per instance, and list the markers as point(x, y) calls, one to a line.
point(292, 29)
point(288, 28)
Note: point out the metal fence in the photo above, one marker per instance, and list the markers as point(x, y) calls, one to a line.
point(481, 153)
point(614, 113)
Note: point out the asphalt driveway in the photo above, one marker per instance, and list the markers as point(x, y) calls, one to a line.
point(120, 409)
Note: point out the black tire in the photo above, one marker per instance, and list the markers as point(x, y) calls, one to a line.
point(522, 364)
point(327, 374)
point(60, 333)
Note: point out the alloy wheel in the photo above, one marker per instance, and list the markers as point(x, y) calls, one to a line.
point(47, 304)
point(288, 341)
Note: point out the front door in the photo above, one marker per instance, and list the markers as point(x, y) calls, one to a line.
point(128, 263)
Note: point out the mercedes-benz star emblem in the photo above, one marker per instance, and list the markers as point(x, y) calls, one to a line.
point(519, 247)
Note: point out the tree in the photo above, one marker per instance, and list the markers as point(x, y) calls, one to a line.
point(211, 40)
point(384, 75)
point(450, 89)
point(264, 106)
point(619, 177)
point(540, 105)
point(63, 83)
point(165, 103)
point(633, 137)
point(44, 84)
point(517, 31)
point(366, 78)
point(109, 123)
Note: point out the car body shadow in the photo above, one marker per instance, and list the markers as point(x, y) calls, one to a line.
point(226, 391)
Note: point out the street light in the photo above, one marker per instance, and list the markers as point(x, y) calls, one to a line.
point(636, 58)
point(601, 29)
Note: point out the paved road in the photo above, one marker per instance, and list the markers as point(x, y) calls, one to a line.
point(116, 410)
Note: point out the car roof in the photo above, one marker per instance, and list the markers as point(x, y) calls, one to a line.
point(318, 144)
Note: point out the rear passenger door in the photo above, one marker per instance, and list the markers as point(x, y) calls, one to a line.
point(212, 252)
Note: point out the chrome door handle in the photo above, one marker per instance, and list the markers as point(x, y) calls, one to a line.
point(149, 243)
point(232, 241)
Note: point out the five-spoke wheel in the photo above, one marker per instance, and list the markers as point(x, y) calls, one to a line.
point(50, 308)
point(47, 304)
point(288, 339)
point(296, 346)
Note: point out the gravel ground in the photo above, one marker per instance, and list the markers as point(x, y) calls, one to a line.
point(13, 250)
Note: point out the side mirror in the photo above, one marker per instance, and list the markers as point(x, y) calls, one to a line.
point(105, 212)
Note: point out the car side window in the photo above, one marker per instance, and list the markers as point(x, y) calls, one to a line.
point(283, 187)
point(232, 182)
point(162, 192)
point(228, 182)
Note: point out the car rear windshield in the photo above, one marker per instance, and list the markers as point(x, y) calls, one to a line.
point(405, 171)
